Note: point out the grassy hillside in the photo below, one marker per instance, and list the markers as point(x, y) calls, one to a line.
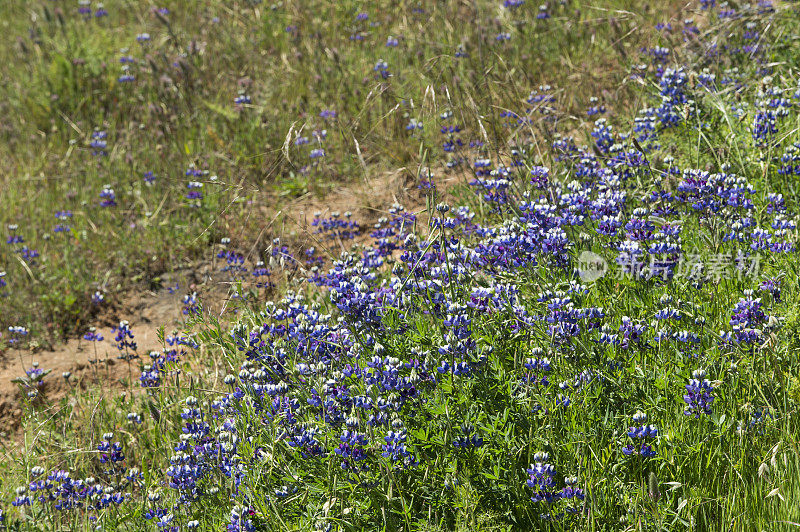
point(158, 85)
point(583, 318)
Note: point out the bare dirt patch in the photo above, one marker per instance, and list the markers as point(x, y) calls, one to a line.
point(97, 364)
point(89, 363)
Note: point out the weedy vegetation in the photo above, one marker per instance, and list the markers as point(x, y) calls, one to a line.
point(577, 315)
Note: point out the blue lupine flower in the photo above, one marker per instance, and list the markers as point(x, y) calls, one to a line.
point(764, 128)
point(382, 69)
point(698, 397)
point(93, 336)
point(123, 340)
point(640, 435)
point(190, 305)
point(746, 320)
point(108, 197)
point(99, 143)
point(542, 479)
point(194, 193)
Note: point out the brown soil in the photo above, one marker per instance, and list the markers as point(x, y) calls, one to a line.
point(368, 199)
point(146, 312)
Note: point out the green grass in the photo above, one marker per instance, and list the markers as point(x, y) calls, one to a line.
point(727, 470)
point(61, 84)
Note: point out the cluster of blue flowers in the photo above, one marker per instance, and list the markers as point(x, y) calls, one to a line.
point(640, 435)
point(446, 337)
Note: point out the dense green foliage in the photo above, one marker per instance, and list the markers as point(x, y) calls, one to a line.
point(62, 83)
point(586, 328)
